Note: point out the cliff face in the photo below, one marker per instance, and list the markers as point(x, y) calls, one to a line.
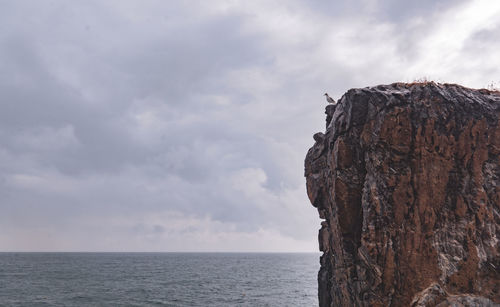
point(407, 180)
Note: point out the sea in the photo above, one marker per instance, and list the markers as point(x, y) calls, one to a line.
point(158, 279)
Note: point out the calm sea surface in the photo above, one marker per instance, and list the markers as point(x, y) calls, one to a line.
point(158, 279)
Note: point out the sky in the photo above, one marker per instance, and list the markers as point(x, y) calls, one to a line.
point(183, 125)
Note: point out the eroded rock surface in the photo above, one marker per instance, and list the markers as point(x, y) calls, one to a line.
point(407, 180)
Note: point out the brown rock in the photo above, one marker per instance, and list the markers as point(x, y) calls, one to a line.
point(407, 178)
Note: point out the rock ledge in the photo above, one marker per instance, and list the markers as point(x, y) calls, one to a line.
point(407, 180)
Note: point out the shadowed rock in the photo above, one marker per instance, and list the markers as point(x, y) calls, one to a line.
point(407, 180)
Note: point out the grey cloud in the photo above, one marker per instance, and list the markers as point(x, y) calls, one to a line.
point(401, 11)
point(114, 113)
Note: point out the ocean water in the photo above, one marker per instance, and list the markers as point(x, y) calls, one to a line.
point(158, 279)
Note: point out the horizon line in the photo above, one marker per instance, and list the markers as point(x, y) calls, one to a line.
point(163, 252)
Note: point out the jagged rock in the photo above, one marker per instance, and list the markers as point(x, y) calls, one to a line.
point(407, 180)
point(436, 296)
point(329, 111)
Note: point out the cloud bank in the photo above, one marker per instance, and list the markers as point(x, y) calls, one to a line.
point(182, 126)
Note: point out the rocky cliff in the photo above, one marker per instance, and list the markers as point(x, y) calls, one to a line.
point(407, 180)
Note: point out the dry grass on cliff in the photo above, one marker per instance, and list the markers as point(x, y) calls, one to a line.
point(492, 88)
point(421, 81)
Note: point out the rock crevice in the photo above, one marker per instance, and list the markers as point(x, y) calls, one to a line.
point(407, 180)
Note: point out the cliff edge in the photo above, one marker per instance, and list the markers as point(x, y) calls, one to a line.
point(407, 180)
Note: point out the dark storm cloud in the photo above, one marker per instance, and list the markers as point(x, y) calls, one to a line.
point(163, 74)
point(169, 68)
point(159, 125)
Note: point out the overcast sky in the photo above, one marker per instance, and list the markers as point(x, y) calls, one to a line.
point(183, 125)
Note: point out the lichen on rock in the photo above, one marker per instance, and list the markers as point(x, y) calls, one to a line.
point(407, 180)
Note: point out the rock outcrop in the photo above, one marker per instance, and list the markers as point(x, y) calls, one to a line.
point(407, 180)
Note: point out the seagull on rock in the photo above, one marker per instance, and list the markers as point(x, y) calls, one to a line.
point(329, 99)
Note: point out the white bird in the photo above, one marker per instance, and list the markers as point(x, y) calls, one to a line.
point(329, 99)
